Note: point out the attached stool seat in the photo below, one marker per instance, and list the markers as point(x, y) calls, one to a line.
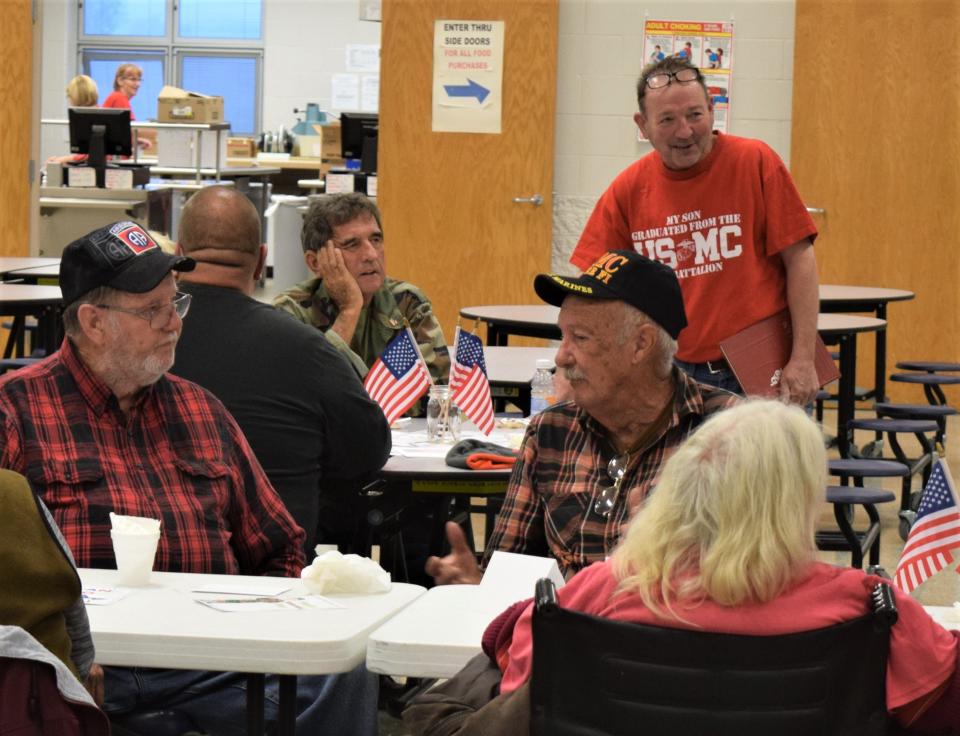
point(892, 428)
point(931, 383)
point(859, 543)
point(930, 366)
point(937, 413)
point(858, 469)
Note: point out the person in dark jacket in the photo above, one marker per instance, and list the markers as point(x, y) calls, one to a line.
point(301, 406)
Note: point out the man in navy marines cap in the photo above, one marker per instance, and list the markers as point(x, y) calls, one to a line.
point(586, 465)
point(100, 426)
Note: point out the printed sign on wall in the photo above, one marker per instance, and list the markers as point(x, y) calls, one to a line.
point(467, 76)
point(707, 45)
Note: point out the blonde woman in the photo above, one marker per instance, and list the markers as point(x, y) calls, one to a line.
point(82, 91)
point(726, 543)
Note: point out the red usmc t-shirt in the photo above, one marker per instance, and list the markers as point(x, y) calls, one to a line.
point(720, 225)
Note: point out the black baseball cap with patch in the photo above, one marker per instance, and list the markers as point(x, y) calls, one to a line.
point(122, 256)
point(648, 285)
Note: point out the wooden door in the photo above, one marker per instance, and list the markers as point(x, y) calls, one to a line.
point(876, 143)
point(450, 223)
point(16, 55)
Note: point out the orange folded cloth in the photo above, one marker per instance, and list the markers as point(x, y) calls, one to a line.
point(487, 461)
point(479, 455)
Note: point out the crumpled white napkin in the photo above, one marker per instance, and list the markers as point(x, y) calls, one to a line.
point(332, 572)
point(134, 524)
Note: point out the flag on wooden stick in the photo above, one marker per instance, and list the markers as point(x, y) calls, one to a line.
point(468, 381)
point(399, 377)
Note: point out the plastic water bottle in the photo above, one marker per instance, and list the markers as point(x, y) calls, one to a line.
point(541, 387)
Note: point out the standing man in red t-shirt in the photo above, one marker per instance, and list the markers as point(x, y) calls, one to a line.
point(724, 214)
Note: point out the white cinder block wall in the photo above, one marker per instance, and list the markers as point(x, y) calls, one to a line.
point(600, 57)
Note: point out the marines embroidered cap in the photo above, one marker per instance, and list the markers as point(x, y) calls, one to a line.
point(648, 285)
point(122, 256)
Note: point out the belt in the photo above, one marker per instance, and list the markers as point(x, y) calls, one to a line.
point(716, 366)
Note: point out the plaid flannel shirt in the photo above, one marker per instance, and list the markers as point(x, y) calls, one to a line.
point(563, 461)
point(178, 456)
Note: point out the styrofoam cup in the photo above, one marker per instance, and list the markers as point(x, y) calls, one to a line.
point(134, 553)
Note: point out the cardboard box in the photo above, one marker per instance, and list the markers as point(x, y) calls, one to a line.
point(324, 144)
point(175, 105)
point(241, 148)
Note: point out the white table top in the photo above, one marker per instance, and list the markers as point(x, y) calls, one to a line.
point(162, 625)
point(839, 293)
point(947, 616)
point(435, 468)
point(29, 294)
point(847, 324)
point(514, 365)
point(15, 263)
point(442, 630)
point(51, 271)
point(531, 314)
point(436, 635)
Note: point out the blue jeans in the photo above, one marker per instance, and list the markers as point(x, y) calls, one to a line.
point(721, 379)
point(216, 701)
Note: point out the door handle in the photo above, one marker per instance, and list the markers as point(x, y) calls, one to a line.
point(817, 211)
point(536, 200)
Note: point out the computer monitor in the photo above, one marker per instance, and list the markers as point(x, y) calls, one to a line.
point(98, 132)
point(358, 138)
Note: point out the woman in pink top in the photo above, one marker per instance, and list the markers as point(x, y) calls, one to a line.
point(725, 544)
point(126, 84)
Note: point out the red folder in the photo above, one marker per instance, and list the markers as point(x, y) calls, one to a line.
point(758, 354)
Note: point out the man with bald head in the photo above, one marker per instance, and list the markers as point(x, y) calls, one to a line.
point(297, 400)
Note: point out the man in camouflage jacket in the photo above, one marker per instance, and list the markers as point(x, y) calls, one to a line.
point(351, 299)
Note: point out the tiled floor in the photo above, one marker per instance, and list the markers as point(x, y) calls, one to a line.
point(942, 589)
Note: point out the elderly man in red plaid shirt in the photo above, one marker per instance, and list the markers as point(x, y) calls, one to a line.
point(100, 426)
point(586, 465)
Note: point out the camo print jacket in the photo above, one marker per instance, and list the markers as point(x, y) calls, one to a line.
point(379, 322)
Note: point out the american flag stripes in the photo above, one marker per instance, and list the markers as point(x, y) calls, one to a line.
point(468, 381)
point(934, 533)
point(399, 377)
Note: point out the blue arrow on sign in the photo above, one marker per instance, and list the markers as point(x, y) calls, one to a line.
point(471, 89)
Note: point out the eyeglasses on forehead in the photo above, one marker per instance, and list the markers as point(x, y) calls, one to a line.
point(663, 79)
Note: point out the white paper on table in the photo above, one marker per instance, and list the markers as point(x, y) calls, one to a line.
point(268, 603)
point(99, 595)
point(513, 577)
point(271, 588)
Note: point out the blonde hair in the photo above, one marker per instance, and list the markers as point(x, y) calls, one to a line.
point(122, 70)
point(732, 517)
point(82, 91)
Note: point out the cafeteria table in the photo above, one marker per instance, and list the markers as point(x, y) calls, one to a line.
point(27, 300)
point(842, 330)
point(35, 274)
point(163, 625)
point(416, 485)
point(510, 370)
point(841, 298)
point(503, 320)
point(15, 263)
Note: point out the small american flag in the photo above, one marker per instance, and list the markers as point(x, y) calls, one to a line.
point(934, 533)
point(399, 377)
point(468, 381)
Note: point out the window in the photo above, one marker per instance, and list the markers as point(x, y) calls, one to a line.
point(229, 76)
point(209, 46)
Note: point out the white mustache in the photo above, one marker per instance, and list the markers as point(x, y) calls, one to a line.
point(572, 374)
